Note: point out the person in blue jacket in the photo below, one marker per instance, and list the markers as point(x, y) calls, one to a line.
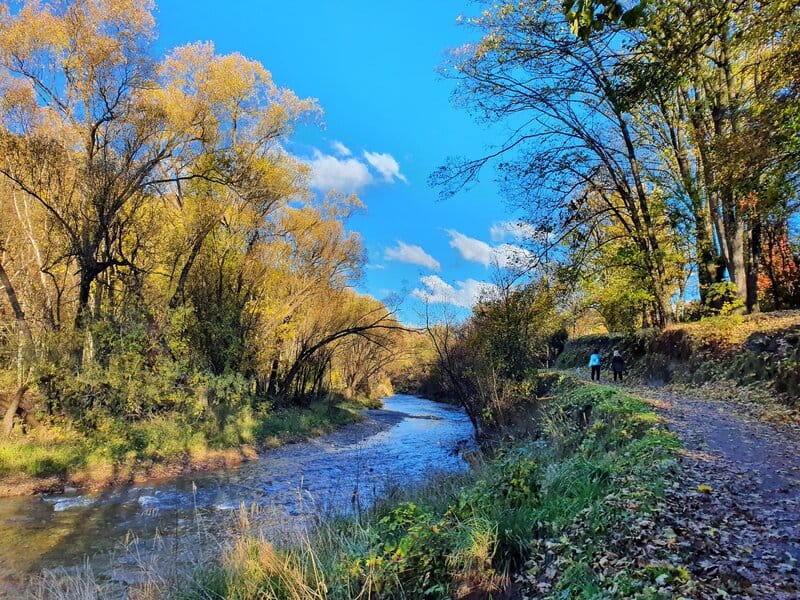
point(594, 363)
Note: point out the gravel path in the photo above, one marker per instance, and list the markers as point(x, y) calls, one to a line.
point(736, 509)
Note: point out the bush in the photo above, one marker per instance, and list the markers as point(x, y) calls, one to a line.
point(722, 299)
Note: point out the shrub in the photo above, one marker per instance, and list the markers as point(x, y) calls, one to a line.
point(722, 299)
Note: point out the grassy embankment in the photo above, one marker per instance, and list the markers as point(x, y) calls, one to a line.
point(117, 451)
point(755, 358)
point(562, 517)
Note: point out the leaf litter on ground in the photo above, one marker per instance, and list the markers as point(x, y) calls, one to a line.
point(735, 510)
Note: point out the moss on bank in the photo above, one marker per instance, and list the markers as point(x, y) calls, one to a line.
point(118, 451)
point(540, 519)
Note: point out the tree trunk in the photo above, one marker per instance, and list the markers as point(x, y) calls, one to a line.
point(178, 297)
point(23, 214)
point(654, 255)
point(734, 215)
point(737, 267)
point(84, 293)
point(272, 386)
point(26, 337)
point(664, 305)
point(84, 352)
point(707, 263)
point(753, 265)
point(705, 251)
point(11, 411)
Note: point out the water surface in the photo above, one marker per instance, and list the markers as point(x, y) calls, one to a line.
point(400, 445)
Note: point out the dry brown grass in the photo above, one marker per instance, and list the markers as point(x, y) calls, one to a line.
point(734, 330)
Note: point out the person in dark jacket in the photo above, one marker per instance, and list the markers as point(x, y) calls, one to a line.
point(617, 365)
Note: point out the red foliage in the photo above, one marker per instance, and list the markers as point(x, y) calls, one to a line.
point(779, 276)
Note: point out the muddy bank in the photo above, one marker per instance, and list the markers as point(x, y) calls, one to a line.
point(208, 461)
point(125, 474)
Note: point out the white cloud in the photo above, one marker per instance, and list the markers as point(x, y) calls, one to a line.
point(386, 165)
point(411, 254)
point(464, 293)
point(343, 174)
point(340, 148)
point(375, 267)
point(520, 231)
point(515, 230)
point(478, 251)
point(510, 256)
point(470, 249)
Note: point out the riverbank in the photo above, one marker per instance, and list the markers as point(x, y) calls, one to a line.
point(55, 459)
point(147, 533)
point(620, 494)
point(561, 515)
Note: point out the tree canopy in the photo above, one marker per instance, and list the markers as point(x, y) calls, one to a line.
point(651, 146)
point(155, 227)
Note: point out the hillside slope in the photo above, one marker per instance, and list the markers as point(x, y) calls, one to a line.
point(761, 350)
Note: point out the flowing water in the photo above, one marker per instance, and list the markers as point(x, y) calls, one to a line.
point(399, 445)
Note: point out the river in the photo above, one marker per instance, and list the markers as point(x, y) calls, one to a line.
point(118, 531)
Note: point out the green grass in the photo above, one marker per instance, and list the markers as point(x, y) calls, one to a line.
point(292, 424)
point(540, 510)
point(68, 451)
point(41, 457)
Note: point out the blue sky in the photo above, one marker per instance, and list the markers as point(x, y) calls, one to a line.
point(389, 123)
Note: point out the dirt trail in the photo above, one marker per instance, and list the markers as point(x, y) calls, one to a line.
point(742, 531)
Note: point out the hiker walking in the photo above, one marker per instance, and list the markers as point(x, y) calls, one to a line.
point(617, 365)
point(594, 364)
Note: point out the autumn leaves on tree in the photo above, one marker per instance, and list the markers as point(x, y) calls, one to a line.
point(152, 214)
point(154, 222)
point(658, 143)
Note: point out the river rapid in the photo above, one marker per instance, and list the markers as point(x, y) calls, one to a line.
point(122, 533)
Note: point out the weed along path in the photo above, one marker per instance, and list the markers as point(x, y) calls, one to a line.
point(130, 534)
point(735, 511)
